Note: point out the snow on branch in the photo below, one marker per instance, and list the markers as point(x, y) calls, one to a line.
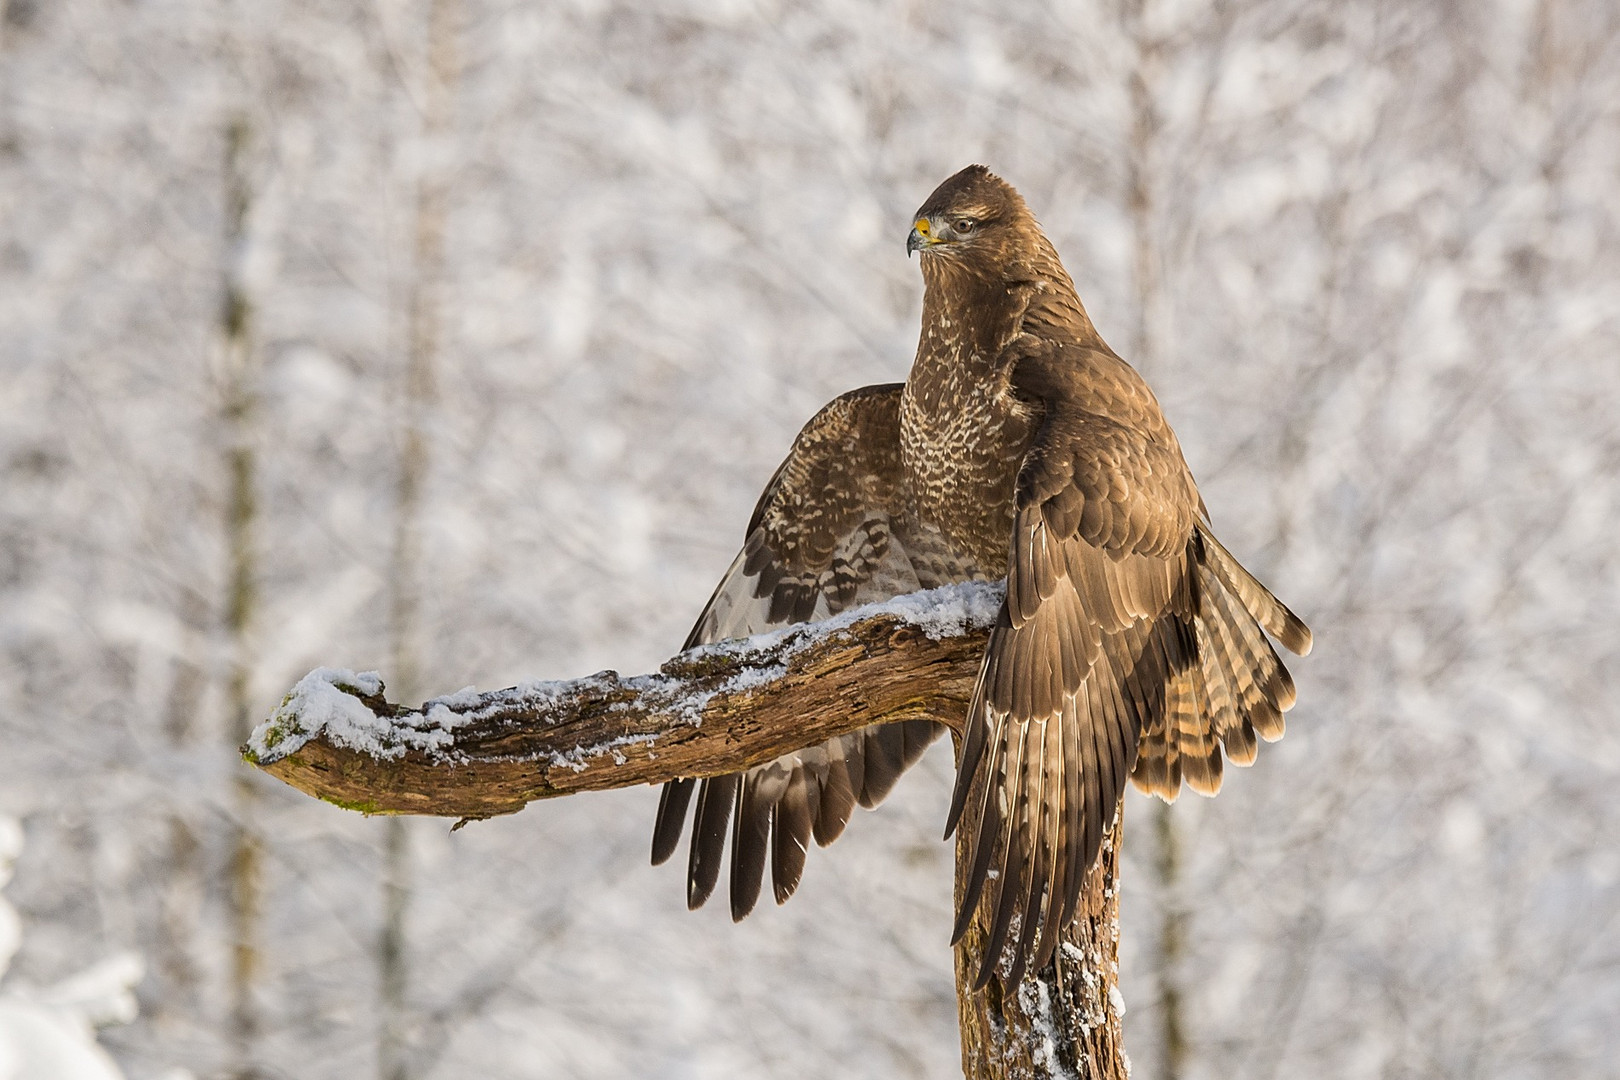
point(711, 710)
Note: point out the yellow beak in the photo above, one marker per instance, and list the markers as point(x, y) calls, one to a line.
point(922, 235)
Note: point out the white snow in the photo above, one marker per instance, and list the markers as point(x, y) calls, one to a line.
point(326, 701)
point(1043, 1021)
point(948, 611)
point(580, 757)
point(951, 610)
point(464, 698)
point(49, 1033)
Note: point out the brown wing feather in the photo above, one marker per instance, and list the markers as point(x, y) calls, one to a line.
point(1128, 647)
point(831, 530)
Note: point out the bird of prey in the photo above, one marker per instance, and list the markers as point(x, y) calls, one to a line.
point(1130, 642)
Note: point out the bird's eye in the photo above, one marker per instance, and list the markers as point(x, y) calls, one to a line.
point(964, 225)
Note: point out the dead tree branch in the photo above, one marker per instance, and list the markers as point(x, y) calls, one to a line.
point(717, 709)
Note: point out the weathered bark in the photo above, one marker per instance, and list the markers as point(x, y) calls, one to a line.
point(1061, 1021)
point(713, 710)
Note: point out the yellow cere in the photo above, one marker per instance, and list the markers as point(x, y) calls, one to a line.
point(921, 226)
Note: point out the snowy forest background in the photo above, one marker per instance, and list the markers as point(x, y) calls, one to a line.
point(456, 338)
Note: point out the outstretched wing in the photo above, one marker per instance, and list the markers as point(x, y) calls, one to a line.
point(832, 530)
point(1126, 625)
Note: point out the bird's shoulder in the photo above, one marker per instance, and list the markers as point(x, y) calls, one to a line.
point(1104, 462)
point(1071, 376)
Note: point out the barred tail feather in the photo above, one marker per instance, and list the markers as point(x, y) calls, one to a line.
point(1235, 690)
point(1266, 609)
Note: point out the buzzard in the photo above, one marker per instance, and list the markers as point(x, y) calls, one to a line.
point(1130, 642)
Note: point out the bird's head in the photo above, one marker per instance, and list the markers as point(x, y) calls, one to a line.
point(974, 219)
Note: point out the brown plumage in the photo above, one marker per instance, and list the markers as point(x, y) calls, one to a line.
point(1130, 643)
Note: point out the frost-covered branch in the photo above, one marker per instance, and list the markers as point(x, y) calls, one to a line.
point(711, 710)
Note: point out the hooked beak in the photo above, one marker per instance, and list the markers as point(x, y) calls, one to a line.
point(923, 235)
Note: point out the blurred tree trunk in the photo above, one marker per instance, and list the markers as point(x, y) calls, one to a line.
point(1171, 942)
point(184, 889)
point(1142, 205)
point(1141, 167)
point(424, 334)
point(240, 409)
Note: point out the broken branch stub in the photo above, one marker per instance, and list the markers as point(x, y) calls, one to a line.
point(711, 710)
